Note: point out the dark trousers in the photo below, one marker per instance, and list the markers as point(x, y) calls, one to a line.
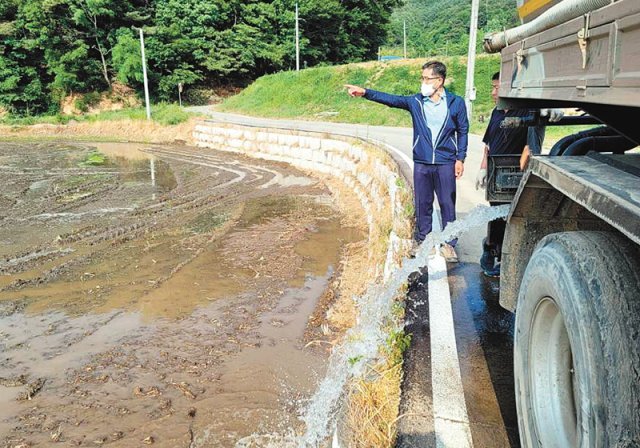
point(427, 180)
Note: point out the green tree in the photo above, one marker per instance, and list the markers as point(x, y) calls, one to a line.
point(49, 48)
point(442, 27)
point(364, 28)
point(90, 16)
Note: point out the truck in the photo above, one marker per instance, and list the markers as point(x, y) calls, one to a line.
point(570, 253)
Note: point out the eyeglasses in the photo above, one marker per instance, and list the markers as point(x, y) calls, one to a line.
point(427, 78)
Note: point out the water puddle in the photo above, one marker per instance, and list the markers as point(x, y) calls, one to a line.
point(137, 163)
point(143, 295)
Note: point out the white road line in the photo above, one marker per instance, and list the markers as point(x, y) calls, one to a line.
point(402, 155)
point(451, 421)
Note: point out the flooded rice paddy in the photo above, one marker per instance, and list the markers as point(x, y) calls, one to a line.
point(157, 294)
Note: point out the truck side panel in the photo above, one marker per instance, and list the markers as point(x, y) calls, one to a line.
point(550, 65)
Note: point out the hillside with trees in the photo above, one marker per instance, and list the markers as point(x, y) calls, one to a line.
point(52, 48)
point(442, 27)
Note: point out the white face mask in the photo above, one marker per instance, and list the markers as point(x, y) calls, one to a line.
point(427, 89)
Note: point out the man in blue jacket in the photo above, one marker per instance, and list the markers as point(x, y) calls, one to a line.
point(440, 137)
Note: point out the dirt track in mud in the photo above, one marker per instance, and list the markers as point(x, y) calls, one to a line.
point(158, 296)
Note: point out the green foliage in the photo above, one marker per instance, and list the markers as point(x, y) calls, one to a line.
point(94, 158)
point(51, 48)
point(86, 101)
point(318, 93)
point(127, 58)
point(442, 27)
point(169, 114)
point(8, 8)
point(198, 96)
point(409, 210)
point(397, 342)
point(58, 47)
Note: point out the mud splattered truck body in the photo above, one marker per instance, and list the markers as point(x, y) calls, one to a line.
point(570, 254)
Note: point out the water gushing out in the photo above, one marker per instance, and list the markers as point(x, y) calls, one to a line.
point(362, 342)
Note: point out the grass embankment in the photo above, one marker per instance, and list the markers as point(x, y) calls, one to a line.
point(318, 93)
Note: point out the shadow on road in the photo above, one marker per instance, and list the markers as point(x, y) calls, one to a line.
point(474, 293)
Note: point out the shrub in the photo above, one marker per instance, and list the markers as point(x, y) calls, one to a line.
point(85, 101)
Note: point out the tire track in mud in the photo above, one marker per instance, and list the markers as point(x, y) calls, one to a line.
point(223, 216)
point(203, 181)
point(188, 196)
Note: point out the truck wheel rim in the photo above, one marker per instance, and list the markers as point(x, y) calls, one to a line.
point(552, 382)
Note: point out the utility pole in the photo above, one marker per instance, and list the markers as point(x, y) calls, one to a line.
point(144, 75)
point(404, 37)
point(470, 90)
point(297, 40)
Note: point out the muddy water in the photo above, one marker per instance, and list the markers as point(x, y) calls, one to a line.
point(157, 295)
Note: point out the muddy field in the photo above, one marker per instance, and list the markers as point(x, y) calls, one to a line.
point(158, 295)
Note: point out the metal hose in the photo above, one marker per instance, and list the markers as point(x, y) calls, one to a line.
point(556, 15)
point(562, 144)
point(616, 144)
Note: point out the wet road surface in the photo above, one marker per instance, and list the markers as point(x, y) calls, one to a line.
point(484, 333)
point(484, 339)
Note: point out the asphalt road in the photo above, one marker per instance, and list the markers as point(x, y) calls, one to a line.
point(482, 330)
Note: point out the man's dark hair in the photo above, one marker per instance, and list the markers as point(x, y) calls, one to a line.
point(437, 67)
point(496, 76)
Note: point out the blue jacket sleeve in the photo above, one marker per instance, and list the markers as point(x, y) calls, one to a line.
point(399, 101)
point(462, 130)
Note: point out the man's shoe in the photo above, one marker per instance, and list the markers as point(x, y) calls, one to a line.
point(449, 253)
point(493, 272)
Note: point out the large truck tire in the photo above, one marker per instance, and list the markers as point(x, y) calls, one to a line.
point(577, 343)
